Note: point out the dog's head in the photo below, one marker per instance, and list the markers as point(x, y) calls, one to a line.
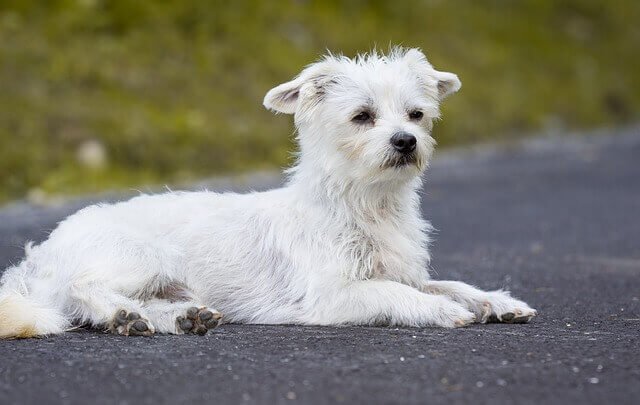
point(368, 118)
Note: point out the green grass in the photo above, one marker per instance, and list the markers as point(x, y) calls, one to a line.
point(173, 89)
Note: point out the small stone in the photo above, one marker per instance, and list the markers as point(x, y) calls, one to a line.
point(92, 154)
point(479, 384)
point(291, 395)
point(593, 380)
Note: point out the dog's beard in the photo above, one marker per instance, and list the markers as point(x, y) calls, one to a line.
point(398, 161)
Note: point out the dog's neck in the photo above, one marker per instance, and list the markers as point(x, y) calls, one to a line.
point(363, 205)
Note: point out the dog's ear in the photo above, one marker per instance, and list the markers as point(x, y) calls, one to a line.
point(446, 83)
point(286, 97)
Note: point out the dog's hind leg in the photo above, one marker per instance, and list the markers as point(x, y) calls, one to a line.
point(183, 317)
point(101, 307)
point(489, 306)
point(176, 310)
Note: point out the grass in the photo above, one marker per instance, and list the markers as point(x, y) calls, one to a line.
point(172, 91)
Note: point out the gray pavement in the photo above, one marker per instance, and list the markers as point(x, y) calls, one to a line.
point(555, 220)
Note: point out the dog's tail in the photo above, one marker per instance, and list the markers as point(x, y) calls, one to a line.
point(21, 315)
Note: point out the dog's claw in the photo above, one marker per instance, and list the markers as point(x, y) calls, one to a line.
point(198, 321)
point(460, 323)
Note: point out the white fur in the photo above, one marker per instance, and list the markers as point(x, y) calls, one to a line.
point(343, 242)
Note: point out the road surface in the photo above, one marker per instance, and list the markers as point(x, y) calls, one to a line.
point(556, 221)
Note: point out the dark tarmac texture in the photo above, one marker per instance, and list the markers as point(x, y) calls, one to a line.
point(556, 221)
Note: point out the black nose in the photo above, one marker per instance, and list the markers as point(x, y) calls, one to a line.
point(403, 142)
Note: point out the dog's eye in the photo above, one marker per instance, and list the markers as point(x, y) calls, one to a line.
point(416, 115)
point(362, 117)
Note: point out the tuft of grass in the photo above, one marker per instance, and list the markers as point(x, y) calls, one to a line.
point(172, 91)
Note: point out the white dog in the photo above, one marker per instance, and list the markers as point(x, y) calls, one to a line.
point(342, 243)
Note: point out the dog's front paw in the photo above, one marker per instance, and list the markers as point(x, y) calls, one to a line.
point(130, 324)
point(500, 307)
point(198, 320)
point(453, 315)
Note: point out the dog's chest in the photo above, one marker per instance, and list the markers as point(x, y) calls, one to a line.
point(378, 252)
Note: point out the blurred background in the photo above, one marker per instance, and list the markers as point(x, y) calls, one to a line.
point(98, 94)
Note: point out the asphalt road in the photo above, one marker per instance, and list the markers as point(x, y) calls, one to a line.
point(557, 221)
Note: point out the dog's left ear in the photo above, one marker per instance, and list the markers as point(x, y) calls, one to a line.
point(446, 83)
point(286, 97)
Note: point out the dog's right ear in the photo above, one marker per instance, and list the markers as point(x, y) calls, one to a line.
point(308, 85)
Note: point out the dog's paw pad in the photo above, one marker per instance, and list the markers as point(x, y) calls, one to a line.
point(198, 321)
point(507, 317)
point(515, 316)
point(130, 324)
